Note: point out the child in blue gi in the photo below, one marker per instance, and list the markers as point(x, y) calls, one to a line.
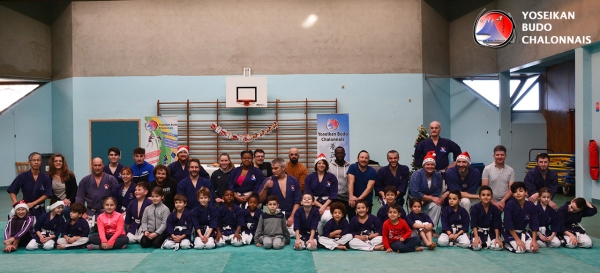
point(455, 223)
point(135, 212)
point(485, 222)
point(570, 215)
point(124, 192)
point(549, 222)
point(306, 221)
point(251, 216)
point(336, 233)
point(179, 225)
point(518, 214)
point(19, 228)
point(420, 223)
point(231, 221)
point(365, 229)
point(390, 195)
point(76, 230)
point(272, 230)
point(48, 227)
point(205, 218)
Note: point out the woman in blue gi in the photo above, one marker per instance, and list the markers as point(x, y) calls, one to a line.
point(245, 179)
point(323, 185)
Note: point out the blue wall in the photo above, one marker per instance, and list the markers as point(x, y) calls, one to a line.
point(475, 125)
point(62, 119)
point(436, 104)
point(31, 121)
point(381, 116)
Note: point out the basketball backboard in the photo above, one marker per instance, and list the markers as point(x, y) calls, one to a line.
point(246, 92)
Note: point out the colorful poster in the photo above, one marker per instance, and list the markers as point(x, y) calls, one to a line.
point(160, 138)
point(333, 130)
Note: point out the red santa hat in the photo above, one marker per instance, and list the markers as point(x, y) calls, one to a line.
point(464, 156)
point(320, 157)
point(429, 157)
point(183, 148)
point(21, 204)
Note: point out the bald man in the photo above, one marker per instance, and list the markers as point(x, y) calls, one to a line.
point(442, 147)
point(295, 168)
point(94, 188)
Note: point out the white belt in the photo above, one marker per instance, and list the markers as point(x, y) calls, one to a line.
point(180, 228)
point(243, 193)
point(47, 232)
point(38, 206)
point(137, 221)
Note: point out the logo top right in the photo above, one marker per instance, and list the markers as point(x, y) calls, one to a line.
point(494, 29)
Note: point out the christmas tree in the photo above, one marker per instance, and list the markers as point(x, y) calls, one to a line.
point(423, 135)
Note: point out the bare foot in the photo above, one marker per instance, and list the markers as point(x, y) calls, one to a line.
point(60, 246)
point(432, 246)
point(342, 248)
point(419, 249)
point(379, 247)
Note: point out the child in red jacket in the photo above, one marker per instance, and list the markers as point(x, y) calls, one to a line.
point(396, 233)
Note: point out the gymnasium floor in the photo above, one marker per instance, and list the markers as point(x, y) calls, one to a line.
point(254, 259)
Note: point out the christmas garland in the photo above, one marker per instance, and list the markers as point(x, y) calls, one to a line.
point(243, 137)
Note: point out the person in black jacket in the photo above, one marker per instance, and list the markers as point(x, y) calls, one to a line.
point(167, 183)
point(220, 178)
point(64, 184)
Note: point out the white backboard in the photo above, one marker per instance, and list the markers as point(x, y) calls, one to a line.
point(252, 90)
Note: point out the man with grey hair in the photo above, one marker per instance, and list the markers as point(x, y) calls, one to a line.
point(36, 186)
point(442, 147)
point(285, 187)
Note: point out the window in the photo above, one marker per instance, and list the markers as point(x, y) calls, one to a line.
point(524, 92)
point(11, 93)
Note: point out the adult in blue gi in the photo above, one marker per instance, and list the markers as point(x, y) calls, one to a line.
point(426, 184)
point(114, 167)
point(442, 147)
point(394, 174)
point(35, 185)
point(539, 177)
point(245, 179)
point(94, 188)
point(286, 188)
point(191, 184)
point(179, 169)
point(465, 179)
